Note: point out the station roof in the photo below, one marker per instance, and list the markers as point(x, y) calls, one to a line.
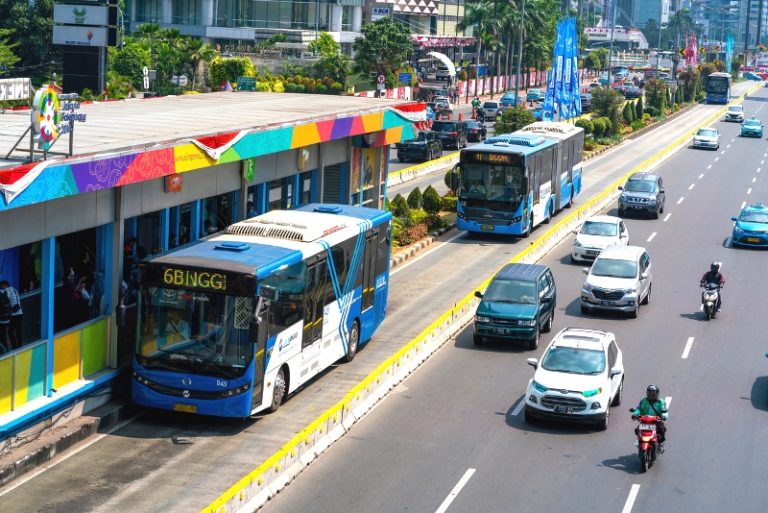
point(196, 131)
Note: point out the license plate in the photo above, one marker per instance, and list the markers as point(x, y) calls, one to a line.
point(487, 227)
point(563, 409)
point(186, 408)
point(607, 302)
point(752, 239)
point(591, 253)
point(647, 427)
point(500, 331)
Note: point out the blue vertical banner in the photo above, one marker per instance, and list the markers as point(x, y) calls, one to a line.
point(728, 52)
point(567, 95)
point(554, 81)
point(575, 81)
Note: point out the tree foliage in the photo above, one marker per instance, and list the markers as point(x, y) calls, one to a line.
point(657, 95)
point(7, 56)
point(129, 61)
point(431, 201)
point(32, 26)
point(383, 47)
point(514, 119)
point(325, 45)
point(609, 104)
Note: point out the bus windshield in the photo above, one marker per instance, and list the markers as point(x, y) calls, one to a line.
point(499, 187)
point(194, 331)
point(717, 85)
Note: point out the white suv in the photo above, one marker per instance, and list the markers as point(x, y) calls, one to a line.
point(596, 234)
point(620, 279)
point(579, 378)
point(734, 113)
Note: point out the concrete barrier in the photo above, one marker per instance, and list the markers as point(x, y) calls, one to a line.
point(262, 483)
point(407, 174)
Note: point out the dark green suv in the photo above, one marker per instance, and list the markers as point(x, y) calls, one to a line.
point(519, 303)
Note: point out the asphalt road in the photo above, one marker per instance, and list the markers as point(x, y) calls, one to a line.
point(162, 462)
point(452, 438)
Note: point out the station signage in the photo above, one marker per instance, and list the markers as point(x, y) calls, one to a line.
point(83, 35)
point(15, 88)
point(491, 158)
point(78, 14)
point(378, 13)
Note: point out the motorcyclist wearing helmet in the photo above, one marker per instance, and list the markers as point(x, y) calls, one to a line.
point(715, 277)
point(475, 106)
point(654, 405)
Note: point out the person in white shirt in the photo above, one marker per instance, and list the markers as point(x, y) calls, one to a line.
point(14, 325)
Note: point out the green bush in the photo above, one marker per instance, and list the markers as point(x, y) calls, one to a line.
point(652, 111)
point(414, 198)
point(629, 113)
point(598, 127)
point(637, 124)
point(448, 203)
point(589, 144)
point(609, 128)
point(263, 87)
point(418, 216)
point(514, 119)
point(400, 207)
point(300, 88)
point(321, 89)
point(290, 87)
point(337, 87)
point(431, 201)
point(451, 180)
point(639, 108)
point(586, 124)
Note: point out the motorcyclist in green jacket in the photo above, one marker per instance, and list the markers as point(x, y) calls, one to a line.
point(475, 106)
point(654, 405)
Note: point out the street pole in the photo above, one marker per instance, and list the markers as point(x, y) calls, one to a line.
point(658, 52)
point(520, 53)
point(759, 22)
point(610, 48)
point(746, 36)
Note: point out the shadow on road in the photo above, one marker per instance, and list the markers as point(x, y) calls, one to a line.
point(759, 395)
point(543, 426)
point(573, 309)
point(694, 316)
point(628, 463)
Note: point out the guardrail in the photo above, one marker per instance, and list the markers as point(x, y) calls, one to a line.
point(253, 490)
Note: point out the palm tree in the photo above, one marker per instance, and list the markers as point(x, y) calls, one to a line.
point(150, 31)
point(197, 53)
point(479, 14)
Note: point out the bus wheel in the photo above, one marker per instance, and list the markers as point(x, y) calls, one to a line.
point(278, 390)
point(528, 230)
point(570, 200)
point(354, 340)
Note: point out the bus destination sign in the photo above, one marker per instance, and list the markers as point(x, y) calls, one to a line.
point(490, 158)
point(194, 279)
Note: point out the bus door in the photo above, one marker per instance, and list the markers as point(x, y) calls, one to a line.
point(559, 165)
point(314, 298)
point(369, 282)
point(258, 334)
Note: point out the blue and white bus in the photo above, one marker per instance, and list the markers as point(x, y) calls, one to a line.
point(511, 183)
point(232, 324)
point(570, 150)
point(719, 87)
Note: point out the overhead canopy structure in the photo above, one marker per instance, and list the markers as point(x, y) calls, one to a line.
point(445, 60)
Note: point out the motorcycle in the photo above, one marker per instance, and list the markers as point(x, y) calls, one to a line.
point(647, 440)
point(710, 296)
point(480, 116)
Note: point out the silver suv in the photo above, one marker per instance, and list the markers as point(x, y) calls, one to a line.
point(620, 279)
point(642, 194)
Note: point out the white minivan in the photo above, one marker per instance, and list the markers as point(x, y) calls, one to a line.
point(620, 279)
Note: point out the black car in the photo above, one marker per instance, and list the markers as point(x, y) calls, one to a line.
point(643, 193)
point(426, 146)
point(631, 92)
point(451, 133)
point(476, 131)
point(586, 102)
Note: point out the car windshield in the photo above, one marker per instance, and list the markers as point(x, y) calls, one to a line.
point(640, 186)
point(735, 108)
point(473, 124)
point(754, 217)
point(752, 122)
point(491, 105)
point(574, 360)
point(707, 132)
point(424, 136)
point(599, 228)
point(511, 291)
point(614, 268)
point(445, 126)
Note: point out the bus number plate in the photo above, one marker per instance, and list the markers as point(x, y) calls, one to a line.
point(186, 408)
point(486, 227)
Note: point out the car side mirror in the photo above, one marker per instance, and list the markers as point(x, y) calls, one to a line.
point(533, 362)
point(644, 274)
point(620, 187)
point(662, 191)
point(615, 371)
point(585, 270)
point(546, 299)
point(734, 219)
point(478, 294)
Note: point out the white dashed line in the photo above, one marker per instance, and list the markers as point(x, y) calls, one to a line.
point(692, 186)
point(667, 401)
point(631, 498)
point(754, 179)
point(709, 166)
point(727, 146)
point(666, 217)
point(749, 191)
point(733, 140)
point(717, 158)
point(682, 198)
point(687, 349)
point(743, 204)
point(758, 170)
point(722, 153)
point(651, 237)
point(762, 162)
point(456, 489)
point(701, 176)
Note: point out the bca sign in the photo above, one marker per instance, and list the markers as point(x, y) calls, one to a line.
point(380, 12)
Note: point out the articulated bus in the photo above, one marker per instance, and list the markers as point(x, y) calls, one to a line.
point(570, 149)
point(719, 87)
point(511, 183)
point(232, 324)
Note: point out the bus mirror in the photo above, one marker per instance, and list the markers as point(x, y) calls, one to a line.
point(453, 178)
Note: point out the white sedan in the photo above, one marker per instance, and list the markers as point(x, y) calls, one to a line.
point(579, 378)
point(596, 234)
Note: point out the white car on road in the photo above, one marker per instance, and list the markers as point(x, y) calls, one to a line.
point(579, 378)
point(596, 234)
point(734, 113)
point(619, 279)
point(707, 138)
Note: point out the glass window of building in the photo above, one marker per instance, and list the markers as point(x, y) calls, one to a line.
point(305, 185)
point(22, 268)
point(280, 193)
point(149, 11)
point(185, 12)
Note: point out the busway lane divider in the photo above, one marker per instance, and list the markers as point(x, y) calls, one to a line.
point(412, 172)
point(265, 481)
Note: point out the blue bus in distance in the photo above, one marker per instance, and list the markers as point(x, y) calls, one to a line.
point(719, 88)
point(232, 324)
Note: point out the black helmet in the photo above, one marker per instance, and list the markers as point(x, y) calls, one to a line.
point(714, 267)
point(652, 390)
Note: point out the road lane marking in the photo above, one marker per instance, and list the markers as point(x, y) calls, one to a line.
point(456, 489)
point(701, 176)
point(762, 162)
point(721, 153)
point(758, 169)
point(717, 158)
point(435, 248)
point(631, 498)
point(666, 217)
point(728, 146)
point(687, 349)
point(754, 179)
point(692, 186)
point(518, 408)
point(743, 204)
point(682, 198)
point(651, 237)
point(749, 191)
point(709, 166)
point(667, 401)
point(733, 140)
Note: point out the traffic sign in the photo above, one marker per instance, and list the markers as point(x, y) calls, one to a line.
point(180, 80)
point(405, 78)
point(145, 71)
point(682, 52)
point(146, 83)
point(702, 50)
point(381, 79)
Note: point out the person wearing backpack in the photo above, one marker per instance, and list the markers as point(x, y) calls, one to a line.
point(16, 314)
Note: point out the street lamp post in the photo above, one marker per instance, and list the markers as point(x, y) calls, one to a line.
point(520, 53)
point(610, 48)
